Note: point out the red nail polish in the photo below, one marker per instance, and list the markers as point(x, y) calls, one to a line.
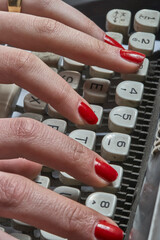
point(112, 42)
point(87, 113)
point(105, 171)
point(107, 231)
point(132, 56)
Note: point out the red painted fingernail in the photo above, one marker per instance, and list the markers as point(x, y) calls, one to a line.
point(105, 171)
point(107, 231)
point(112, 42)
point(87, 113)
point(132, 56)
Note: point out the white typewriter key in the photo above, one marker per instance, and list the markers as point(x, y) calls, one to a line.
point(58, 124)
point(34, 116)
point(139, 76)
point(69, 192)
point(72, 77)
point(2, 229)
point(48, 236)
point(69, 64)
point(116, 36)
point(43, 181)
point(147, 20)
point(34, 104)
point(129, 93)
point(54, 69)
point(53, 113)
point(98, 110)
point(104, 203)
point(50, 59)
point(9, 93)
point(21, 226)
point(21, 236)
point(95, 90)
point(85, 137)
point(68, 180)
point(122, 119)
point(142, 42)
point(100, 72)
point(114, 186)
point(118, 20)
point(115, 146)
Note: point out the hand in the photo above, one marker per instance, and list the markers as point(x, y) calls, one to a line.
point(65, 31)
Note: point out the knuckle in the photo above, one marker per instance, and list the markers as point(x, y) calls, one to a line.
point(79, 153)
point(45, 25)
point(64, 94)
point(74, 219)
point(11, 192)
point(24, 128)
point(90, 26)
point(100, 46)
point(46, 3)
point(16, 62)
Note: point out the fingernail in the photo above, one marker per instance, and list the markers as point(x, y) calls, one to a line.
point(107, 231)
point(132, 56)
point(87, 113)
point(105, 171)
point(112, 42)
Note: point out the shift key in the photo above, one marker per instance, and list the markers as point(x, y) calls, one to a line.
point(9, 94)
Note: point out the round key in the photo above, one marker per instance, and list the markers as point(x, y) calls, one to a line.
point(98, 110)
point(50, 59)
point(58, 124)
point(115, 146)
point(122, 119)
point(69, 192)
point(72, 77)
point(69, 64)
point(104, 203)
point(100, 72)
point(48, 236)
point(2, 229)
point(34, 104)
point(142, 42)
point(113, 187)
point(116, 36)
point(53, 113)
point(118, 20)
point(42, 181)
point(147, 20)
point(68, 180)
point(129, 93)
point(95, 90)
point(21, 236)
point(34, 116)
point(85, 137)
point(140, 75)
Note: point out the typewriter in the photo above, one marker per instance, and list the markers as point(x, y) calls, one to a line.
point(129, 106)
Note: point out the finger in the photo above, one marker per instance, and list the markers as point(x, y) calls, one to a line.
point(52, 36)
point(6, 236)
point(60, 11)
point(21, 166)
point(42, 144)
point(44, 83)
point(28, 202)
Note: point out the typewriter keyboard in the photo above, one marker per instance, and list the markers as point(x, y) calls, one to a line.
point(124, 105)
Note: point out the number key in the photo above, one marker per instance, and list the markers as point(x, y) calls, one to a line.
point(122, 119)
point(129, 93)
point(142, 42)
point(72, 77)
point(115, 146)
point(104, 203)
